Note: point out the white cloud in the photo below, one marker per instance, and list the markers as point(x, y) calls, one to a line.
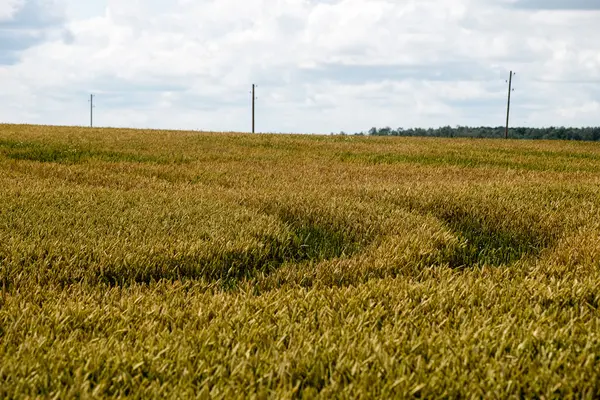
point(321, 66)
point(8, 8)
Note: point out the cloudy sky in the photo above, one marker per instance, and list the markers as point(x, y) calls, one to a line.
point(321, 66)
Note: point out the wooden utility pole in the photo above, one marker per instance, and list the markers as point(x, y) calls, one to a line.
point(253, 101)
point(91, 110)
point(508, 106)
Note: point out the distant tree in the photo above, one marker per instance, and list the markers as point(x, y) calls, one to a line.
point(562, 133)
point(387, 131)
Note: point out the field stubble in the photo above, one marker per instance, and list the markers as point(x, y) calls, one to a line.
point(184, 264)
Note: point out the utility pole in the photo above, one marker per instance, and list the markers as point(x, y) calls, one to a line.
point(510, 89)
point(91, 110)
point(253, 101)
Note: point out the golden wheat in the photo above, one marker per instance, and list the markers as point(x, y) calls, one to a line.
point(153, 264)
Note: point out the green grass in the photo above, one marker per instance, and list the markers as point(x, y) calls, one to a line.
point(163, 264)
point(52, 153)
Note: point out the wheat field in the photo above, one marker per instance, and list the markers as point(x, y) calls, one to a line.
point(167, 264)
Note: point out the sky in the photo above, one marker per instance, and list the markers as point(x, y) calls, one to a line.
point(319, 66)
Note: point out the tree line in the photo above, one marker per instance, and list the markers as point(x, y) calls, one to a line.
point(562, 133)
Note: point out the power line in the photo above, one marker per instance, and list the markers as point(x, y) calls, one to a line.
point(510, 89)
point(91, 110)
point(568, 81)
point(253, 104)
